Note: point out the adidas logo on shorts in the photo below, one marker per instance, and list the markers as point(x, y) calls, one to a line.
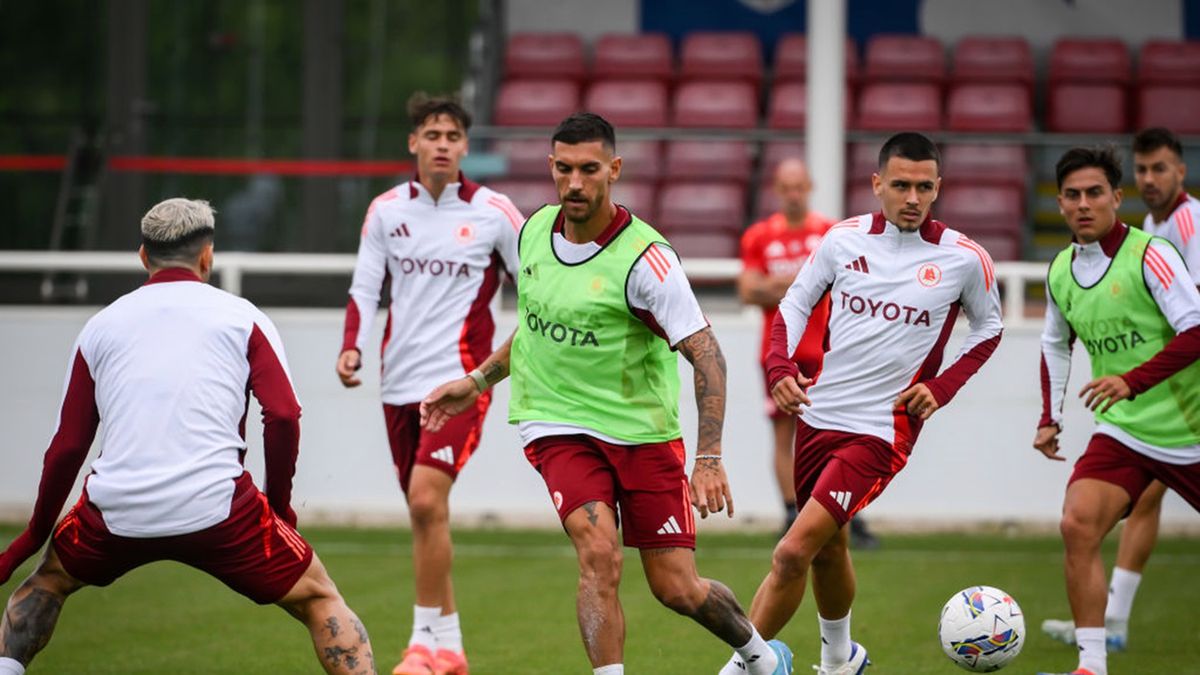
point(842, 498)
point(444, 454)
point(670, 527)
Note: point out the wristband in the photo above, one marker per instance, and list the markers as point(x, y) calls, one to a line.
point(481, 382)
point(717, 457)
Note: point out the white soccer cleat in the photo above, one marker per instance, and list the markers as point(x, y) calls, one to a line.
point(1063, 631)
point(1116, 633)
point(855, 666)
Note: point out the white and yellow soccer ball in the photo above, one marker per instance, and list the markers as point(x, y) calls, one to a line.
point(981, 629)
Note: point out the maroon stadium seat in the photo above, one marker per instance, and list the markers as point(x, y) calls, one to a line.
point(977, 209)
point(1087, 108)
point(911, 58)
point(791, 58)
point(526, 156)
point(1000, 246)
point(640, 198)
point(766, 202)
point(775, 152)
point(643, 56)
point(727, 105)
point(860, 199)
point(689, 244)
point(721, 56)
point(527, 194)
point(895, 107)
point(691, 206)
point(990, 108)
point(1090, 60)
point(789, 106)
point(536, 103)
point(862, 160)
point(641, 160)
point(980, 58)
point(629, 103)
point(1169, 62)
point(1174, 107)
point(544, 55)
point(986, 164)
point(709, 160)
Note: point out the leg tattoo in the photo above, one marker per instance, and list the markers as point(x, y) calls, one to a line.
point(721, 614)
point(28, 624)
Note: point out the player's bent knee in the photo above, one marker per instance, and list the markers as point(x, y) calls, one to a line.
point(427, 507)
point(314, 586)
point(601, 559)
point(1080, 528)
point(792, 558)
point(676, 595)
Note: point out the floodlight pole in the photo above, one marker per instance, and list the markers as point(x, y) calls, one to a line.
point(825, 136)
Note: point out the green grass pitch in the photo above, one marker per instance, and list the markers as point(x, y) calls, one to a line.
point(516, 595)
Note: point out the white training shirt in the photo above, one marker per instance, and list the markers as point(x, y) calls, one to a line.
point(1179, 303)
point(442, 261)
point(657, 286)
point(894, 297)
point(1180, 229)
point(171, 364)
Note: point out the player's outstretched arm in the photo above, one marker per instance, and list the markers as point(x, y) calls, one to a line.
point(455, 396)
point(710, 486)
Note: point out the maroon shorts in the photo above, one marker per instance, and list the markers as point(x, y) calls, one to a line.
point(446, 450)
point(252, 551)
point(1111, 461)
point(842, 471)
point(645, 485)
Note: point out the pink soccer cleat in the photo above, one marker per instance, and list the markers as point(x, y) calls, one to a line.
point(418, 660)
point(450, 663)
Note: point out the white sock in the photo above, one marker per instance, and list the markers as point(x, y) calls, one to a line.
point(448, 633)
point(1121, 592)
point(835, 641)
point(611, 669)
point(734, 666)
point(1092, 654)
point(757, 655)
point(424, 619)
point(11, 666)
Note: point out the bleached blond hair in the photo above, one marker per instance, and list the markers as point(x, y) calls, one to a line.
point(177, 229)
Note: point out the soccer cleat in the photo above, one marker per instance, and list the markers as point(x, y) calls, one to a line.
point(855, 666)
point(784, 655)
point(447, 662)
point(1116, 633)
point(418, 660)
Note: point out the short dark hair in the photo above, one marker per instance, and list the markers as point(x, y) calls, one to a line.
point(1149, 140)
point(912, 146)
point(422, 106)
point(1082, 158)
point(584, 127)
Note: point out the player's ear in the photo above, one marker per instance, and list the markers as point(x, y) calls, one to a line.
point(876, 185)
point(144, 258)
point(614, 169)
point(1117, 196)
point(412, 143)
point(937, 188)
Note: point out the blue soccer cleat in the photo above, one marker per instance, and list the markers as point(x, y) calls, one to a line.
point(784, 654)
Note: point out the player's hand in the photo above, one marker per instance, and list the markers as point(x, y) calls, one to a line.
point(789, 394)
point(1110, 388)
point(348, 364)
point(710, 487)
point(918, 401)
point(1046, 442)
point(446, 401)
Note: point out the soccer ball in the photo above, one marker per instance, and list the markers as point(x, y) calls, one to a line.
point(981, 629)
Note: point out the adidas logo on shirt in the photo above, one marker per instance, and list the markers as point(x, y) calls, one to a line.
point(842, 498)
point(444, 454)
point(670, 527)
point(859, 265)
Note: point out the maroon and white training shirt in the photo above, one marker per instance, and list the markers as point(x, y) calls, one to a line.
point(441, 261)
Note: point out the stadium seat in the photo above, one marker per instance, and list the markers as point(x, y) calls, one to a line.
point(980, 58)
point(1078, 60)
point(1169, 62)
point(989, 108)
point(735, 55)
point(1000, 246)
point(977, 209)
point(774, 152)
point(627, 57)
point(702, 206)
point(527, 194)
point(862, 160)
point(709, 160)
point(766, 202)
point(536, 103)
point(860, 199)
point(639, 197)
point(1087, 108)
point(725, 105)
point(890, 107)
point(1174, 107)
point(791, 59)
point(544, 56)
point(703, 244)
point(641, 160)
point(629, 103)
point(526, 156)
point(789, 106)
point(909, 58)
point(986, 164)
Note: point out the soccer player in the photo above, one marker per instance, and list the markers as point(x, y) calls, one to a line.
point(1158, 165)
point(896, 280)
point(603, 306)
point(1127, 296)
point(167, 369)
point(439, 242)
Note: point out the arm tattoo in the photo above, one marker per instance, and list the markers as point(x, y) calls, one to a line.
point(708, 364)
point(28, 624)
point(331, 624)
point(494, 372)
